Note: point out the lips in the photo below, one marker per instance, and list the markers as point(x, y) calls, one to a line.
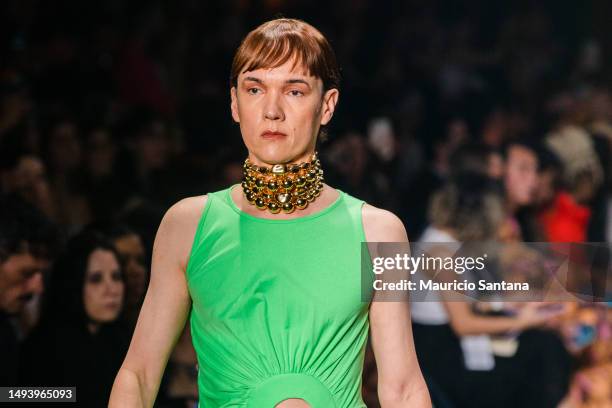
point(112, 305)
point(270, 134)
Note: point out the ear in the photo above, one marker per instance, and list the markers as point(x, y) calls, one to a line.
point(330, 99)
point(234, 104)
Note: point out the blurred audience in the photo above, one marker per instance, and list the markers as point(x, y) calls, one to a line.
point(456, 342)
point(110, 112)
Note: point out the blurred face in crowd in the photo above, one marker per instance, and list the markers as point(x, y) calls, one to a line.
point(101, 152)
point(65, 146)
point(280, 111)
point(545, 192)
point(521, 175)
point(495, 166)
point(103, 289)
point(28, 179)
point(349, 154)
point(21, 277)
point(132, 251)
point(154, 146)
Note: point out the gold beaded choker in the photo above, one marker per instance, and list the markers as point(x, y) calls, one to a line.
point(282, 186)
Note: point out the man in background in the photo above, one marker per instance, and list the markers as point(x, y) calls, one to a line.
point(27, 241)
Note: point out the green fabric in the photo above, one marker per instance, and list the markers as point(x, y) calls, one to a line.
point(277, 310)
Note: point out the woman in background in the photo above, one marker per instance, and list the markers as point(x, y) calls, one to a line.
point(81, 339)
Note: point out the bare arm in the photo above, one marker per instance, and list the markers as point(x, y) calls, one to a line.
point(164, 311)
point(400, 382)
point(465, 322)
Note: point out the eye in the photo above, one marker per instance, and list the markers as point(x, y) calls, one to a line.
point(253, 91)
point(116, 276)
point(295, 92)
point(95, 278)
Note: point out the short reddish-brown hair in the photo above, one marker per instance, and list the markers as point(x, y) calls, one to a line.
point(277, 41)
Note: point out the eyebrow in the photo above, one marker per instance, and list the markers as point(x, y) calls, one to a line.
point(289, 81)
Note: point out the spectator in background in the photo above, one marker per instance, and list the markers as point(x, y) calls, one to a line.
point(80, 340)
point(476, 158)
point(24, 174)
point(520, 182)
point(148, 159)
point(567, 219)
point(354, 169)
point(102, 185)
point(453, 339)
point(15, 104)
point(62, 150)
point(27, 243)
point(433, 176)
point(132, 255)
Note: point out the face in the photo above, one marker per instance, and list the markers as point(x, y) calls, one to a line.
point(66, 147)
point(101, 152)
point(545, 191)
point(280, 111)
point(495, 166)
point(103, 289)
point(154, 147)
point(29, 179)
point(21, 277)
point(132, 251)
point(521, 175)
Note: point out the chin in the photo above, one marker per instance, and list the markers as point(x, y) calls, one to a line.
point(108, 318)
point(273, 156)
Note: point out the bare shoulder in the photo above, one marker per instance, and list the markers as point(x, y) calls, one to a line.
point(382, 225)
point(178, 227)
point(186, 210)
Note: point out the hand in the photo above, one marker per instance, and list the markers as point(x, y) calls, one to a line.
point(532, 315)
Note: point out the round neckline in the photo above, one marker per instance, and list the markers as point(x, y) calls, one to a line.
point(230, 200)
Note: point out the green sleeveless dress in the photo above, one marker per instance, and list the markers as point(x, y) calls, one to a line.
point(277, 310)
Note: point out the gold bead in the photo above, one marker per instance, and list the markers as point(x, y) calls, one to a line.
point(273, 207)
point(301, 203)
point(288, 208)
point(308, 197)
point(260, 203)
point(300, 181)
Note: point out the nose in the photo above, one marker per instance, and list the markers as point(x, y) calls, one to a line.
point(35, 284)
point(113, 287)
point(272, 107)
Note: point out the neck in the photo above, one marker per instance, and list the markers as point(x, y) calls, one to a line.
point(299, 158)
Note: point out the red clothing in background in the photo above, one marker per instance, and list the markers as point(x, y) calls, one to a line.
point(565, 220)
